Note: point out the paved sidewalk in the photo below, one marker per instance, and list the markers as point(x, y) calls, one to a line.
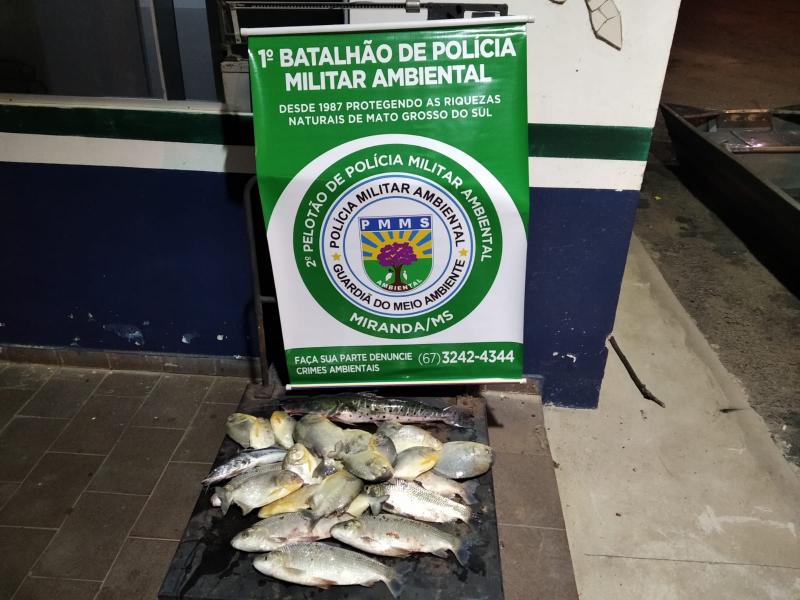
point(689, 501)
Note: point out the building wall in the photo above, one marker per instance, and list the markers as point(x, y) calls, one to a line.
point(133, 213)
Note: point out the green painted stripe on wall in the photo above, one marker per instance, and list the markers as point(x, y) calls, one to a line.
point(153, 125)
point(546, 140)
point(608, 142)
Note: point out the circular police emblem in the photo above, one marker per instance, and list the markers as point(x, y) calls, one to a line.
point(397, 241)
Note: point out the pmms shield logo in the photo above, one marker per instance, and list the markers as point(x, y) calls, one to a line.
point(397, 252)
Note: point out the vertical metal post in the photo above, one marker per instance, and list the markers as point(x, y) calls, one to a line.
point(257, 297)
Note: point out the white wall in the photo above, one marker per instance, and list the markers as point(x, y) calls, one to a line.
point(575, 78)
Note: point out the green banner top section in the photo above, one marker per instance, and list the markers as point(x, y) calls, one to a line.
point(314, 92)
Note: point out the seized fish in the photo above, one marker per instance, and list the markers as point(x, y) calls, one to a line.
point(409, 436)
point(369, 408)
point(390, 535)
point(410, 499)
point(334, 493)
point(240, 479)
point(448, 487)
point(354, 440)
point(361, 503)
point(297, 500)
point(259, 490)
point(283, 426)
point(318, 434)
point(382, 443)
point(299, 460)
point(243, 462)
point(413, 462)
point(249, 431)
point(280, 530)
point(462, 460)
point(327, 466)
point(321, 565)
point(369, 465)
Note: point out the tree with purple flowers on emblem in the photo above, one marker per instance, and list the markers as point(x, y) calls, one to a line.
point(397, 256)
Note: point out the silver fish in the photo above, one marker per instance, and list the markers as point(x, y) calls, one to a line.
point(299, 460)
point(410, 499)
point(244, 461)
point(354, 440)
point(409, 436)
point(390, 535)
point(283, 425)
point(334, 494)
point(240, 479)
point(463, 460)
point(259, 490)
point(279, 530)
point(368, 465)
point(319, 435)
point(449, 488)
point(294, 502)
point(249, 431)
point(321, 565)
point(412, 462)
point(369, 408)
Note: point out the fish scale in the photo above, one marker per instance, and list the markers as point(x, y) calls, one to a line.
point(410, 499)
point(364, 408)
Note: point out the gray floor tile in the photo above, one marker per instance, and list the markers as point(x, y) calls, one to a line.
point(98, 425)
point(174, 401)
point(120, 383)
point(227, 390)
point(47, 495)
point(139, 571)
point(23, 442)
point(517, 426)
point(25, 376)
point(11, 400)
point(136, 463)
point(536, 564)
point(19, 548)
point(526, 491)
point(7, 489)
point(168, 509)
point(91, 536)
point(61, 589)
point(64, 394)
point(205, 434)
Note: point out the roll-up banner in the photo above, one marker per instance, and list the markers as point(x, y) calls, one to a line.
point(392, 164)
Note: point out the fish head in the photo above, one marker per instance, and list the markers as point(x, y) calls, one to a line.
point(270, 563)
point(348, 529)
point(299, 455)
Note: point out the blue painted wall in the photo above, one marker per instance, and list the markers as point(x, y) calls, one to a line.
point(578, 243)
point(141, 259)
point(124, 259)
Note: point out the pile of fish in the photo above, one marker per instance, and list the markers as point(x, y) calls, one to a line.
point(311, 479)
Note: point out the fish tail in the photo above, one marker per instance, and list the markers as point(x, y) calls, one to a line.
point(462, 551)
point(398, 578)
point(470, 487)
point(224, 499)
point(458, 417)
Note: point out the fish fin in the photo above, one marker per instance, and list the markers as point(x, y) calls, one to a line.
point(458, 417)
point(375, 504)
point(470, 487)
point(398, 580)
point(325, 583)
point(440, 553)
point(462, 552)
point(293, 571)
point(224, 499)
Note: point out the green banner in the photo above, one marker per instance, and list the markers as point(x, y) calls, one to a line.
point(393, 171)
